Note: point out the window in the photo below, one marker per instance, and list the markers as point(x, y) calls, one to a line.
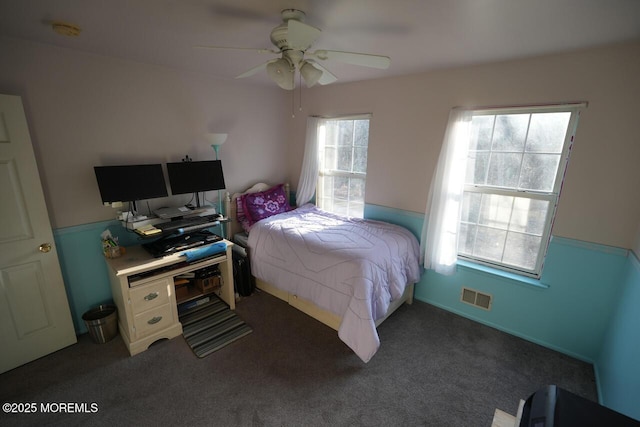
point(515, 166)
point(342, 145)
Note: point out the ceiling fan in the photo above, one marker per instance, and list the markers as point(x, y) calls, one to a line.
point(293, 38)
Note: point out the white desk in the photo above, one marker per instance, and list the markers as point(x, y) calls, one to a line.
point(144, 292)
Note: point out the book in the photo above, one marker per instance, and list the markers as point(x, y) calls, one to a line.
point(182, 308)
point(148, 230)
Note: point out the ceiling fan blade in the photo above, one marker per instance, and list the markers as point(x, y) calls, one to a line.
point(363, 59)
point(301, 36)
point(254, 70)
point(327, 76)
point(237, 48)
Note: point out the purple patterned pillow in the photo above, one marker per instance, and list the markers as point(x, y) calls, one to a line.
point(257, 206)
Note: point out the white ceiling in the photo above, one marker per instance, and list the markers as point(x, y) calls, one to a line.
point(418, 35)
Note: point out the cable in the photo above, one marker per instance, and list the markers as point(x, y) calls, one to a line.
point(300, 91)
point(191, 200)
point(130, 212)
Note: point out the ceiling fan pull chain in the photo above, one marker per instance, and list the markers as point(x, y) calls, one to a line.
point(300, 89)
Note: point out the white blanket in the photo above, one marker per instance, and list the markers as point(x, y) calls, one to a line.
point(351, 267)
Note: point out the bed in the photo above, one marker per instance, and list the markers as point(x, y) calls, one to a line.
point(348, 273)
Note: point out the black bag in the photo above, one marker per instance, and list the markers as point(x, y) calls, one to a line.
point(244, 282)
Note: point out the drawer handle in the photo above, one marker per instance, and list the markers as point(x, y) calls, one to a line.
point(151, 296)
point(154, 320)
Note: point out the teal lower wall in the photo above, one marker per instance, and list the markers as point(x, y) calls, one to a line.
point(618, 364)
point(83, 267)
point(569, 315)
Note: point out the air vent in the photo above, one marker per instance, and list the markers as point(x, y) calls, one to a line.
point(475, 298)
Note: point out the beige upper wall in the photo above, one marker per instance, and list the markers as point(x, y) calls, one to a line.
point(599, 202)
point(86, 110)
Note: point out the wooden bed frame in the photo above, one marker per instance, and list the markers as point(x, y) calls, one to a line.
point(328, 318)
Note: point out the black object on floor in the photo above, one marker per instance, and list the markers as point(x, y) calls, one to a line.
point(552, 406)
point(243, 280)
point(211, 326)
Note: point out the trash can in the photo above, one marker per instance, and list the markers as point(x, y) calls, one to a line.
point(102, 323)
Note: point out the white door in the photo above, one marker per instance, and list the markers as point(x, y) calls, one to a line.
point(35, 319)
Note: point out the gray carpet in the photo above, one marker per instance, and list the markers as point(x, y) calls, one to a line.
point(212, 326)
point(433, 369)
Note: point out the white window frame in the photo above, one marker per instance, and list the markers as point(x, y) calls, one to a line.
point(552, 197)
point(324, 172)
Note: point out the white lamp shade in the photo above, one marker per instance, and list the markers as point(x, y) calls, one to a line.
point(310, 74)
point(216, 138)
point(282, 73)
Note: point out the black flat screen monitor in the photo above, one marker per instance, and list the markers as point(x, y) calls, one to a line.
point(129, 183)
point(194, 177)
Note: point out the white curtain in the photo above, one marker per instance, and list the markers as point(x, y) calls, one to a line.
point(310, 163)
point(439, 242)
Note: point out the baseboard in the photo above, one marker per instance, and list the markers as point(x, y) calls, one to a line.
point(596, 373)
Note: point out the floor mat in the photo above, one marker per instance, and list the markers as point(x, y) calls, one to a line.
point(211, 326)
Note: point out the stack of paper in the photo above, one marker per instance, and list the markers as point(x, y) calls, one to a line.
point(148, 230)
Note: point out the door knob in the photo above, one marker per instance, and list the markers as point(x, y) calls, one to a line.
point(45, 247)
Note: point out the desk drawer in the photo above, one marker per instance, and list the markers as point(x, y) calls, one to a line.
point(153, 320)
point(149, 296)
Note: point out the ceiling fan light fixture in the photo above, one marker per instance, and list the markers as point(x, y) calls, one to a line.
point(310, 74)
point(281, 72)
